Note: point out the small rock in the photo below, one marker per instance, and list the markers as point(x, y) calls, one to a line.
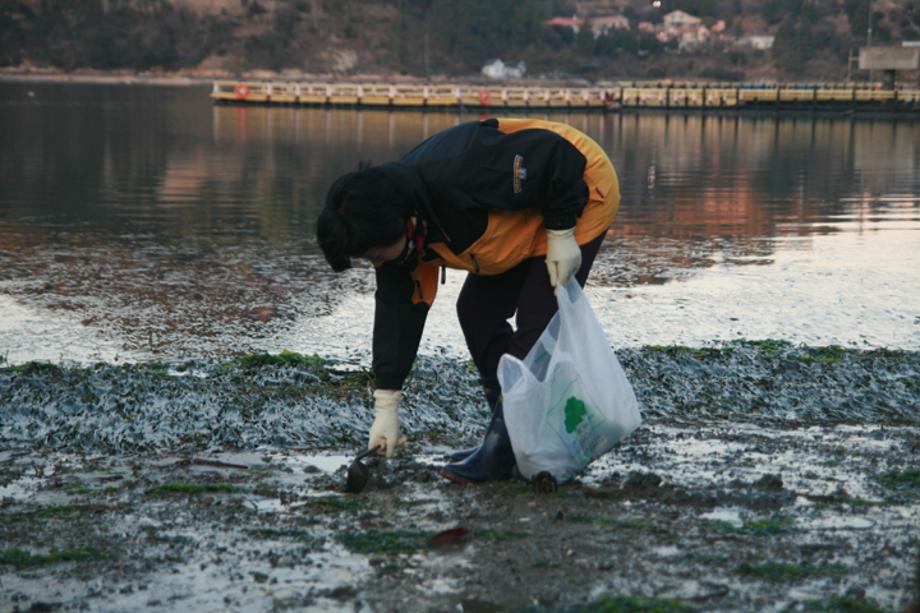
point(259, 577)
point(770, 482)
point(343, 592)
point(856, 592)
point(641, 481)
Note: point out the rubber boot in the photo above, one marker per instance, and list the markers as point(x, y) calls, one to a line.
point(492, 391)
point(494, 459)
point(459, 455)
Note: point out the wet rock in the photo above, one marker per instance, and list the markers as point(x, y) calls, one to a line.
point(641, 482)
point(259, 577)
point(343, 592)
point(856, 592)
point(479, 606)
point(769, 482)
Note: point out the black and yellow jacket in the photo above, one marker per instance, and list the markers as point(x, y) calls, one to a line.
point(485, 192)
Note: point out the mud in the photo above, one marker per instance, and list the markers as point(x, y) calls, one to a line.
point(766, 477)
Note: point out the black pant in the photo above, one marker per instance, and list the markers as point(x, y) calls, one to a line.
point(486, 303)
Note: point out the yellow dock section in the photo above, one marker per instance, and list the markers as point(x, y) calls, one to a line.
point(638, 95)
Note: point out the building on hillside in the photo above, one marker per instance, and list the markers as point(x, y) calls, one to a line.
point(680, 19)
point(573, 23)
point(688, 30)
point(599, 25)
point(605, 23)
point(758, 42)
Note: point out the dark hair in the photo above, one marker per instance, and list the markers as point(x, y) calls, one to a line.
point(363, 210)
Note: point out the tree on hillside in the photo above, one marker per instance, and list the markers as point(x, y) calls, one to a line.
point(584, 41)
point(775, 11)
point(15, 21)
point(908, 19)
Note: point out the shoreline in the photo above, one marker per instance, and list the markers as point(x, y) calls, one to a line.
point(104, 79)
point(194, 77)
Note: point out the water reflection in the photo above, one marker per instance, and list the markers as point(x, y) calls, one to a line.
point(184, 228)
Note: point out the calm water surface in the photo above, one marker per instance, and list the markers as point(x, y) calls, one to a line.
point(143, 223)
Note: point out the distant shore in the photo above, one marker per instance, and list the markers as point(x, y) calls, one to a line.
point(103, 78)
point(199, 77)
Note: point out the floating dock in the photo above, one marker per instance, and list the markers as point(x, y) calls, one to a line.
point(632, 95)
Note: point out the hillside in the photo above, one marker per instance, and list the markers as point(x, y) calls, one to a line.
point(586, 40)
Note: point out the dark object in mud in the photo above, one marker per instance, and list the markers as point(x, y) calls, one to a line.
point(544, 482)
point(770, 482)
point(450, 537)
point(358, 473)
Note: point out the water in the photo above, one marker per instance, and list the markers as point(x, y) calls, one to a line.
point(144, 223)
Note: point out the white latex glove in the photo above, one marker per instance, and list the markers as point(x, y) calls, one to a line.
point(385, 429)
point(563, 256)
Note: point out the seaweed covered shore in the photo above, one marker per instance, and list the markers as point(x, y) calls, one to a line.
point(290, 399)
point(766, 477)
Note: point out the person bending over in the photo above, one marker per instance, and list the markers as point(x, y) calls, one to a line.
point(521, 204)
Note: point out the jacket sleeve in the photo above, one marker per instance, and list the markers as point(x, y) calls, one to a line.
point(567, 192)
point(399, 319)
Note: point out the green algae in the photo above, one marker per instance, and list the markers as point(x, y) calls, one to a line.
point(285, 358)
point(407, 541)
point(625, 524)
point(306, 540)
point(490, 534)
point(675, 351)
point(336, 504)
point(33, 368)
point(843, 604)
point(909, 478)
point(825, 355)
point(284, 533)
point(54, 512)
point(181, 487)
point(771, 526)
point(399, 541)
point(768, 346)
point(782, 572)
point(624, 604)
point(23, 559)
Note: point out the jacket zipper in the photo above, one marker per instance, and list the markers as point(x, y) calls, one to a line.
point(443, 275)
point(475, 263)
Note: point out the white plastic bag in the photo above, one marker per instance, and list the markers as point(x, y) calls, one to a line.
point(568, 402)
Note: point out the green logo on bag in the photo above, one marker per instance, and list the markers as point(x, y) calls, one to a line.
point(575, 412)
